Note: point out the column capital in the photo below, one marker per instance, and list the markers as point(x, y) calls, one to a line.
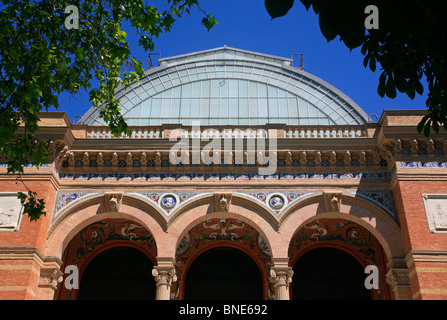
point(165, 274)
point(398, 278)
point(50, 278)
point(50, 274)
point(281, 277)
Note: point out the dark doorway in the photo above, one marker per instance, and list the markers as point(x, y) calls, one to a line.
point(223, 274)
point(120, 273)
point(329, 274)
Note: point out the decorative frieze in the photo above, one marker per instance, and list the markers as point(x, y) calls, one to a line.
point(276, 202)
point(419, 148)
point(422, 164)
point(362, 158)
point(65, 199)
point(381, 198)
point(69, 160)
point(168, 202)
point(213, 176)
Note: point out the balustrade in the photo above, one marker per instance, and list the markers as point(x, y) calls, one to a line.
point(289, 132)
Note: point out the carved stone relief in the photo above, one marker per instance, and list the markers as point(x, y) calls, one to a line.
point(222, 202)
point(436, 210)
point(332, 201)
point(10, 211)
point(113, 201)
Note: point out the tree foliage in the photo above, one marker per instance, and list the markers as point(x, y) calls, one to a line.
point(409, 45)
point(40, 58)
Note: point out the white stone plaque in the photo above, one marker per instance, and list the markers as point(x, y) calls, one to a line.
point(436, 210)
point(10, 211)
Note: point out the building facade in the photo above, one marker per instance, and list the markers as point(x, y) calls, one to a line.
point(244, 178)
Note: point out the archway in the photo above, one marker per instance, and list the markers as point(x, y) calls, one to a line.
point(327, 273)
point(218, 233)
point(119, 273)
point(97, 239)
point(223, 273)
point(336, 253)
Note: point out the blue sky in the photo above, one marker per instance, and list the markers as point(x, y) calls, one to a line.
point(245, 24)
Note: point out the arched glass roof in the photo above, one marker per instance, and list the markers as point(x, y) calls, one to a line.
point(227, 86)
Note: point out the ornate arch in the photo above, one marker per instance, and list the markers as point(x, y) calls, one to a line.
point(212, 231)
point(99, 237)
point(368, 215)
point(94, 209)
point(343, 234)
point(237, 202)
point(206, 208)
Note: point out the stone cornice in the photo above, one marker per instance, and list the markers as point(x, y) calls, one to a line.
point(415, 256)
point(27, 253)
point(418, 176)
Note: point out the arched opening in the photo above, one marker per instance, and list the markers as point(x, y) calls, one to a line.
point(329, 274)
point(223, 274)
point(119, 273)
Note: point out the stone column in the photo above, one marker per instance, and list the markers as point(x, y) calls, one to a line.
point(165, 275)
point(50, 276)
point(399, 279)
point(281, 277)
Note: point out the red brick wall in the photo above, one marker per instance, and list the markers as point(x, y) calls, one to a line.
point(31, 234)
point(19, 271)
point(428, 272)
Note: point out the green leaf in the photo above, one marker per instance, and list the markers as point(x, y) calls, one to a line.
point(422, 123)
point(401, 84)
point(32, 206)
point(209, 22)
point(418, 87)
point(435, 126)
point(366, 59)
point(381, 89)
point(390, 88)
point(328, 23)
point(278, 8)
point(372, 63)
point(307, 3)
point(427, 129)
